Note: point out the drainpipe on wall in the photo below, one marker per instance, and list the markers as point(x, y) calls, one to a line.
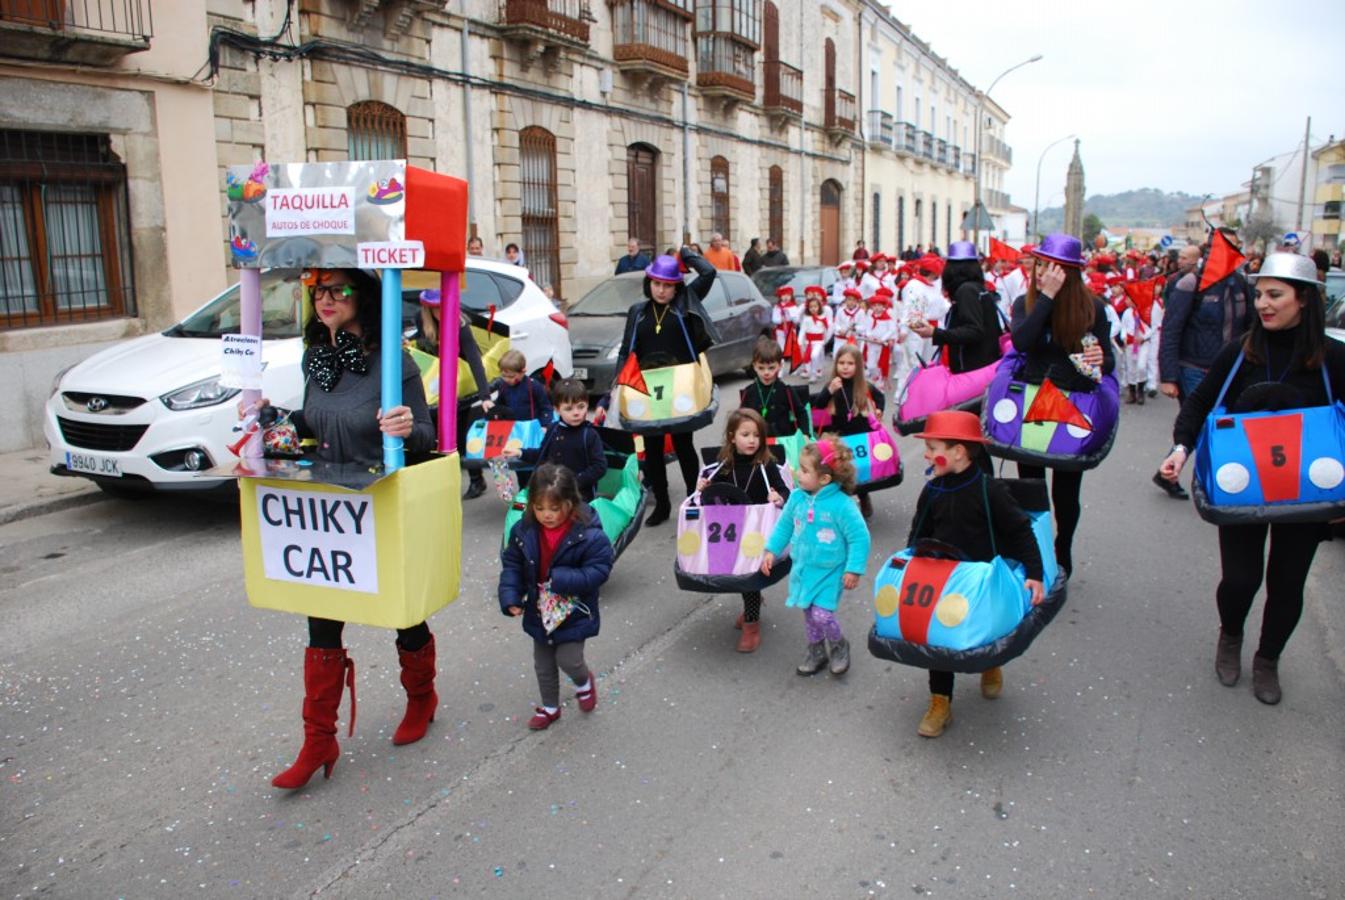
point(803, 157)
point(467, 122)
point(686, 169)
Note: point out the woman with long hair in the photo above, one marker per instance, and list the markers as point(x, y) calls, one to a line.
point(971, 328)
point(1050, 322)
point(670, 328)
point(341, 410)
point(1284, 354)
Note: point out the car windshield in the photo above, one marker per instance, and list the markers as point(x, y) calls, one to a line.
point(1335, 314)
point(282, 305)
point(1335, 285)
point(282, 311)
point(610, 298)
point(767, 280)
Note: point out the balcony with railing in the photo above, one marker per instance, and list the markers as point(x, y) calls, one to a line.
point(548, 22)
point(955, 158)
point(728, 35)
point(882, 128)
point(906, 138)
point(926, 145)
point(784, 88)
point(996, 148)
point(995, 199)
point(650, 36)
point(76, 32)
point(941, 151)
point(840, 112)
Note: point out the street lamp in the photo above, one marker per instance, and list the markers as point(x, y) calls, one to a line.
point(1036, 193)
point(980, 114)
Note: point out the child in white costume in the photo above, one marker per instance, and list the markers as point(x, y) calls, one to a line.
point(814, 330)
point(880, 341)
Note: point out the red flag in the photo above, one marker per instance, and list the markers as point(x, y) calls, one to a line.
point(1143, 293)
point(632, 377)
point(1002, 252)
point(549, 372)
point(793, 350)
point(1050, 405)
point(1224, 258)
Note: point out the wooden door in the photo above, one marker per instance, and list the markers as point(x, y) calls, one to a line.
point(642, 196)
point(830, 219)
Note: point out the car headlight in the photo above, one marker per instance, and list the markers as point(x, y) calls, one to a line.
point(208, 392)
point(612, 354)
point(56, 382)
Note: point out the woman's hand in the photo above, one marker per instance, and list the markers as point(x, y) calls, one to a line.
point(774, 497)
point(850, 581)
point(702, 484)
point(1172, 466)
point(245, 410)
point(834, 385)
point(515, 611)
point(1051, 279)
point(1037, 590)
point(1093, 355)
point(767, 560)
point(396, 422)
point(923, 328)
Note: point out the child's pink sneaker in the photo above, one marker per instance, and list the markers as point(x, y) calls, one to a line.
point(542, 719)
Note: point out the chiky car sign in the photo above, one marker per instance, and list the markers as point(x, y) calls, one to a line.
point(320, 539)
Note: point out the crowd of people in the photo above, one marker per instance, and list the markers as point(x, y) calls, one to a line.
point(1187, 323)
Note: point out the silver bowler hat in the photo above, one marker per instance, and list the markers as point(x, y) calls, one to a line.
point(1288, 267)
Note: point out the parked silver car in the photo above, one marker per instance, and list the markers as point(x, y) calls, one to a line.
point(596, 320)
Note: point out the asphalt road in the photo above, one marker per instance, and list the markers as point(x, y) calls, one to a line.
point(144, 707)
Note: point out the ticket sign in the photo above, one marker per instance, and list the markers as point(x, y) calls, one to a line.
point(391, 255)
point(319, 539)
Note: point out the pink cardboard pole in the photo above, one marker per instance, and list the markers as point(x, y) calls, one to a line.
point(250, 323)
point(450, 304)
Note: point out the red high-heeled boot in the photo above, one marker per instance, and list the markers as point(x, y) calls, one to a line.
point(325, 671)
point(421, 700)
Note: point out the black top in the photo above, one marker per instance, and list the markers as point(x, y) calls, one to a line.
point(344, 420)
point(784, 411)
point(468, 350)
point(953, 508)
point(578, 449)
point(1046, 358)
point(747, 477)
point(659, 340)
point(843, 420)
point(1301, 386)
point(971, 329)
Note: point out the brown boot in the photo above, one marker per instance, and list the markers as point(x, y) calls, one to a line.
point(992, 683)
point(1266, 679)
point(750, 639)
point(938, 717)
point(1228, 659)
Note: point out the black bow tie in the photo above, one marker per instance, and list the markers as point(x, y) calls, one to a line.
point(326, 362)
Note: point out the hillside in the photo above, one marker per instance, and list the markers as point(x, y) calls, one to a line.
point(1146, 207)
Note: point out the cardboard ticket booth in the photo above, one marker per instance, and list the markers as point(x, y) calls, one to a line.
point(379, 546)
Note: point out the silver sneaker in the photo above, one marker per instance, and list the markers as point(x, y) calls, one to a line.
point(815, 660)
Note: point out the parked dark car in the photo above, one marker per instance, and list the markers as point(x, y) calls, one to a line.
point(797, 277)
point(596, 319)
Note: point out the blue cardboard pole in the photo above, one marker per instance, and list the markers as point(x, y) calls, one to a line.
point(394, 455)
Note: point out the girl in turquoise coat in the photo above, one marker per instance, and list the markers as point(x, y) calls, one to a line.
point(829, 543)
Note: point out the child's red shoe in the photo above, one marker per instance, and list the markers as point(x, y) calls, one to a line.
point(589, 698)
point(542, 719)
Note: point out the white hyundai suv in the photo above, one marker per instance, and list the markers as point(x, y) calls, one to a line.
point(149, 413)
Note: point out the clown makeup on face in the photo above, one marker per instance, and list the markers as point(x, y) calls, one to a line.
point(767, 372)
point(336, 302)
point(946, 457)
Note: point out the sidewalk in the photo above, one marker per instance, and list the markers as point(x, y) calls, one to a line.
point(27, 487)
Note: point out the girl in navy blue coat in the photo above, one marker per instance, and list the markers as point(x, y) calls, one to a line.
point(555, 560)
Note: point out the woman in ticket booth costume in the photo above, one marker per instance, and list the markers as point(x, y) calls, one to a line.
point(342, 391)
point(1280, 363)
point(659, 330)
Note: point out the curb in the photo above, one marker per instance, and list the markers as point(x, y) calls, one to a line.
point(28, 510)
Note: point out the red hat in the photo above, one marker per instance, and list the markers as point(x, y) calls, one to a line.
point(1026, 250)
point(953, 425)
point(1114, 278)
point(784, 291)
point(930, 263)
point(881, 297)
point(845, 264)
point(862, 265)
point(878, 257)
point(852, 292)
point(815, 290)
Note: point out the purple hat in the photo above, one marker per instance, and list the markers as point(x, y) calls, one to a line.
point(960, 250)
point(665, 269)
point(1062, 248)
point(429, 297)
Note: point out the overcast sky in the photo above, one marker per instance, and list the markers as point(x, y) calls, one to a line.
point(1185, 95)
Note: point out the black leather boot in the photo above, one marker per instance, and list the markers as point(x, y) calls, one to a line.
point(1228, 659)
point(1266, 679)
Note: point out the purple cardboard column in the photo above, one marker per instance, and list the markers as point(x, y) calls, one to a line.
point(450, 304)
point(250, 312)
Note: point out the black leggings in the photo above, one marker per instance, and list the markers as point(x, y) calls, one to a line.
point(1242, 552)
point(656, 467)
point(1065, 488)
point(941, 682)
point(326, 635)
point(752, 606)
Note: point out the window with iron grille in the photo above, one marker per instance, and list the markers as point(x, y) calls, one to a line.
point(777, 206)
point(65, 247)
point(719, 196)
point(375, 130)
point(541, 221)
